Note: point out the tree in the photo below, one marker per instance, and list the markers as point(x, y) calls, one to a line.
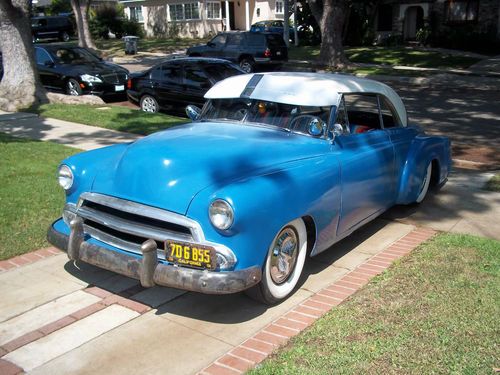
point(20, 86)
point(330, 16)
point(81, 10)
point(59, 6)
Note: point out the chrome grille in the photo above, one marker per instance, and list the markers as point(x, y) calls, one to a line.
point(115, 78)
point(126, 225)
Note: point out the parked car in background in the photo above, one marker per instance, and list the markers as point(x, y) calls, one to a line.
point(51, 27)
point(77, 71)
point(276, 167)
point(248, 49)
point(272, 26)
point(173, 84)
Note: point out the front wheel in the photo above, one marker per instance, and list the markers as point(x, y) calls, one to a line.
point(149, 104)
point(284, 264)
point(73, 87)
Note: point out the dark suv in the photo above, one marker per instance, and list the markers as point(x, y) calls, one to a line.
point(56, 27)
point(248, 49)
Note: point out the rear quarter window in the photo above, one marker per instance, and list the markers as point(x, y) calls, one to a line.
point(275, 40)
point(255, 40)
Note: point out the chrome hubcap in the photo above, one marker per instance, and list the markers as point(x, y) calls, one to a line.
point(246, 67)
point(148, 105)
point(73, 88)
point(284, 255)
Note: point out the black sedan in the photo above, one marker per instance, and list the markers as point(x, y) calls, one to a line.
point(175, 83)
point(77, 71)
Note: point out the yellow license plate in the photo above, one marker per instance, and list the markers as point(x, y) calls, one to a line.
point(191, 255)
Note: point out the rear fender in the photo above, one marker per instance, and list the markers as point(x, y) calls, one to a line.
point(423, 150)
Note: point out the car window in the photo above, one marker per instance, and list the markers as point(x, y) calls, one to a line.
point(362, 112)
point(41, 56)
point(275, 40)
point(255, 39)
point(218, 72)
point(74, 56)
point(389, 114)
point(155, 74)
point(277, 24)
point(234, 39)
point(219, 40)
point(196, 77)
point(341, 116)
point(171, 73)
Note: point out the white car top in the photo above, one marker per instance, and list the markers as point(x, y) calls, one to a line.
point(306, 89)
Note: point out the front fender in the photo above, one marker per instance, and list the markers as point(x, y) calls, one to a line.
point(264, 204)
point(423, 150)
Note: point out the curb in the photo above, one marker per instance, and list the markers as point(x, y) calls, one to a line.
point(28, 258)
point(261, 345)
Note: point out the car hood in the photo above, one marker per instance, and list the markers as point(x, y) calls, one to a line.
point(167, 169)
point(93, 68)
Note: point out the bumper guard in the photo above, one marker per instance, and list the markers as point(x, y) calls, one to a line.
point(147, 269)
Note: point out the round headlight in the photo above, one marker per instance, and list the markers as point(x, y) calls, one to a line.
point(221, 214)
point(65, 177)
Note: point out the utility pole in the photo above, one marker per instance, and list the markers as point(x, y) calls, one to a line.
point(286, 28)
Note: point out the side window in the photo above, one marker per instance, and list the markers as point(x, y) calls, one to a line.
point(362, 112)
point(255, 40)
point(41, 56)
point(195, 77)
point(234, 40)
point(341, 117)
point(156, 73)
point(171, 73)
point(389, 114)
point(219, 40)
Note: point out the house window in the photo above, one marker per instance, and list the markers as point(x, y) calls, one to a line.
point(461, 10)
point(191, 11)
point(279, 7)
point(213, 10)
point(176, 12)
point(136, 14)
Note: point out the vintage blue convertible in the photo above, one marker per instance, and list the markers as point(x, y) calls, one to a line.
point(274, 168)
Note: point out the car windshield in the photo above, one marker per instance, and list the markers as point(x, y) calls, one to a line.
point(74, 56)
point(295, 118)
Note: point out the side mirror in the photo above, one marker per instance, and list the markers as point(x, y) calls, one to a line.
point(193, 112)
point(48, 63)
point(211, 44)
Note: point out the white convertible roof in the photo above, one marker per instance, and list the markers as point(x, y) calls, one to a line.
point(307, 89)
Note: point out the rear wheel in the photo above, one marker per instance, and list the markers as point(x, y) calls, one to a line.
point(424, 187)
point(284, 264)
point(73, 87)
point(149, 104)
point(247, 65)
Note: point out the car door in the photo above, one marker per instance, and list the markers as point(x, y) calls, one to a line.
point(215, 48)
point(168, 85)
point(366, 153)
point(234, 46)
point(47, 69)
point(196, 83)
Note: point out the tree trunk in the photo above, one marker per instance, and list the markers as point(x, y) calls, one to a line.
point(20, 86)
point(81, 11)
point(330, 16)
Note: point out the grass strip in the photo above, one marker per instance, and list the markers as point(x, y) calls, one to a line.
point(30, 197)
point(434, 312)
point(111, 117)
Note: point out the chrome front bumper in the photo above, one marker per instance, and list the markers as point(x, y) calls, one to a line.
point(148, 269)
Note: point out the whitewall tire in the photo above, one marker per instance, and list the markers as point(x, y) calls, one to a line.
point(284, 264)
point(424, 187)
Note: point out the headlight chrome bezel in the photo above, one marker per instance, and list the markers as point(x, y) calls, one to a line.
point(221, 214)
point(89, 78)
point(65, 177)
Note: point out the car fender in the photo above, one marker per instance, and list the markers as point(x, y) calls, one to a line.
point(423, 150)
point(262, 206)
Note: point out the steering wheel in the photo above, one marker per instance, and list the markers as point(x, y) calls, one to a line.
point(307, 124)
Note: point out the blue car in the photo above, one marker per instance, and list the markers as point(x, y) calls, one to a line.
point(276, 167)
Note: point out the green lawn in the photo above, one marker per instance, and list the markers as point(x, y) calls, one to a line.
point(30, 197)
point(111, 117)
point(405, 56)
point(494, 183)
point(434, 312)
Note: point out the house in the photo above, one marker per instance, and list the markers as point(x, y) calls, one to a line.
point(406, 17)
point(198, 19)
